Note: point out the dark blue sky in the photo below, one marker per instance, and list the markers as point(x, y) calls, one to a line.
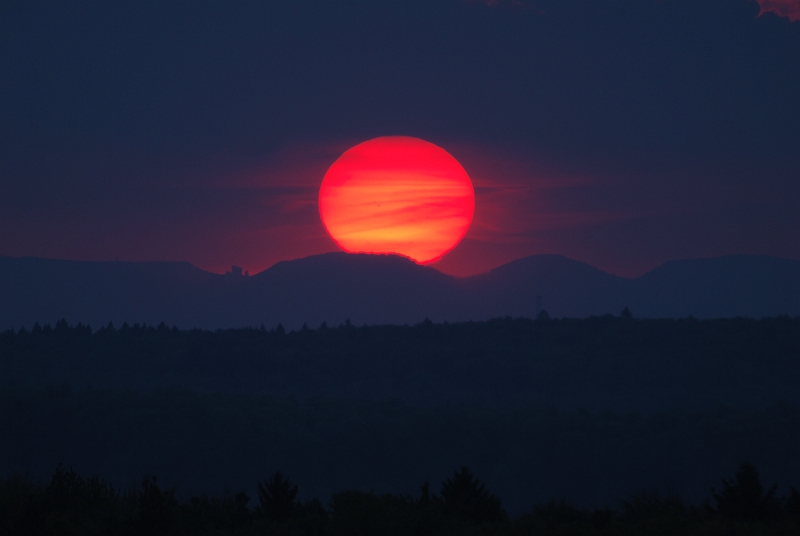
point(620, 133)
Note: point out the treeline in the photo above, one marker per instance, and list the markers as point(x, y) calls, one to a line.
point(71, 504)
point(203, 442)
point(602, 363)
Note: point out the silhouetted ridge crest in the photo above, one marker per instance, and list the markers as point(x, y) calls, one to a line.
point(385, 289)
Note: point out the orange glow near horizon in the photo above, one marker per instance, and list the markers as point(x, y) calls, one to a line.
point(397, 194)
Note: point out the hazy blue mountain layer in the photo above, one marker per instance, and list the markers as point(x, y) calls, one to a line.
point(379, 289)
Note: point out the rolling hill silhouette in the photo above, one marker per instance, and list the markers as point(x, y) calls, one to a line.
point(380, 289)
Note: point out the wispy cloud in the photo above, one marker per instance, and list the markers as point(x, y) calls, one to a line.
point(783, 8)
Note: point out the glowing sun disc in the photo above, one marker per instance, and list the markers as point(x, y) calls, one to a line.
point(397, 194)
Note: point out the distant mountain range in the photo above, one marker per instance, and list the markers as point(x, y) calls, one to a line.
point(384, 289)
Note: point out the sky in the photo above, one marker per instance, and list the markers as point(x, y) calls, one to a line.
point(623, 134)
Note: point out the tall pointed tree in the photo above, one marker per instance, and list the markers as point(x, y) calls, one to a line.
point(277, 498)
point(466, 497)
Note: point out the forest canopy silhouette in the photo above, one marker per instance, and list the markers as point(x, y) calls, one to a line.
point(594, 411)
point(71, 504)
point(599, 363)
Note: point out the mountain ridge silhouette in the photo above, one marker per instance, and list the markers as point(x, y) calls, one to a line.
point(384, 289)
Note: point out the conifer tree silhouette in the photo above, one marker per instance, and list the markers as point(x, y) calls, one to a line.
point(425, 495)
point(158, 509)
point(466, 497)
point(792, 504)
point(277, 498)
point(744, 498)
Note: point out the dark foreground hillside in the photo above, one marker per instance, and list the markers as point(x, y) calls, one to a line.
point(204, 442)
point(599, 363)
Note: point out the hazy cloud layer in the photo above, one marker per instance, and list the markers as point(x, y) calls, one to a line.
point(784, 8)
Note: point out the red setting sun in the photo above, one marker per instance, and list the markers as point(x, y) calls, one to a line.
point(397, 194)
